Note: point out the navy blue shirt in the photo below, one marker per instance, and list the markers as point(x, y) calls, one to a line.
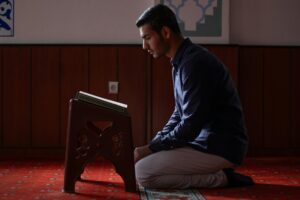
point(208, 115)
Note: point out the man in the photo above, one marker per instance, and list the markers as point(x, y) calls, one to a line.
point(205, 136)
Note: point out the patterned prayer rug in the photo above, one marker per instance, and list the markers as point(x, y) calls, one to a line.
point(151, 194)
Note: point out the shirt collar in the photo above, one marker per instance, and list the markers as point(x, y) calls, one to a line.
point(179, 53)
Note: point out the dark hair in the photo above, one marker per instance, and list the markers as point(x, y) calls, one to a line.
point(158, 16)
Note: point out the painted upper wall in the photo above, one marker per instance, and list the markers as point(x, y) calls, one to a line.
point(254, 22)
point(265, 22)
point(76, 21)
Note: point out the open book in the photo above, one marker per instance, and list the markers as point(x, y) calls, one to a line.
point(102, 102)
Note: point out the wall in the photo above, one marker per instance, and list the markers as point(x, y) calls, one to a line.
point(269, 89)
point(267, 76)
point(255, 22)
point(265, 22)
point(37, 82)
point(76, 21)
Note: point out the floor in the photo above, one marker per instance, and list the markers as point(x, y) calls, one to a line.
point(275, 177)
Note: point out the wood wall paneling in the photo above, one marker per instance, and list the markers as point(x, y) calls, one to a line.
point(36, 83)
point(229, 56)
point(102, 69)
point(251, 93)
point(45, 96)
point(162, 93)
point(16, 96)
point(132, 89)
point(295, 97)
point(1, 112)
point(277, 132)
point(74, 77)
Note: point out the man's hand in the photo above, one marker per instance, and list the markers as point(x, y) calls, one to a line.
point(141, 152)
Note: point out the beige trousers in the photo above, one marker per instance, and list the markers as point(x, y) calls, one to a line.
point(182, 168)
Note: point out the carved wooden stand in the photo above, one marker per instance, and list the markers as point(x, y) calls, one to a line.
point(86, 139)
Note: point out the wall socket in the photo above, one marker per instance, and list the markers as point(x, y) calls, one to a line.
point(113, 87)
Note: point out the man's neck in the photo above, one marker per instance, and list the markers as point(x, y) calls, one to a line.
point(175, 44)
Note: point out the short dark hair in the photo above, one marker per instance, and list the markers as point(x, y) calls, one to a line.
point(158, 16)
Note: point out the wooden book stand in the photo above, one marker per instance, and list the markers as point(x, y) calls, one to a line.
point(97, 130)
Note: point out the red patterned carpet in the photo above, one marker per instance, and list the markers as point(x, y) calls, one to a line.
point(39, 180)
point(276, 178)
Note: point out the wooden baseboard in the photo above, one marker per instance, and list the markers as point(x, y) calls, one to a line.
point(273, 152)
point(57, 153)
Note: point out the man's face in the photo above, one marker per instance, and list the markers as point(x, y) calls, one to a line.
point(154, 43)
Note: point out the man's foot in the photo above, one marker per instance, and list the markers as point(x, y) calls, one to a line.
point(236, 179)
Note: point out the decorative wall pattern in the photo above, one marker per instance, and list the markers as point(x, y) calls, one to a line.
point(198, 17)
point(6, 17)
point(203, 20)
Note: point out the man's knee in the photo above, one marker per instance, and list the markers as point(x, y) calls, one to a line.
point(143, 174)
point(147, 183)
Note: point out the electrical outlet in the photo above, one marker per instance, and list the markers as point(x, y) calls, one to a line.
point(113, 87)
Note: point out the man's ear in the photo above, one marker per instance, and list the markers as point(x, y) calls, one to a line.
point(166, 32)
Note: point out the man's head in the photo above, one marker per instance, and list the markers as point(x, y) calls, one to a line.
point(157, 17)
point(158, 27)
